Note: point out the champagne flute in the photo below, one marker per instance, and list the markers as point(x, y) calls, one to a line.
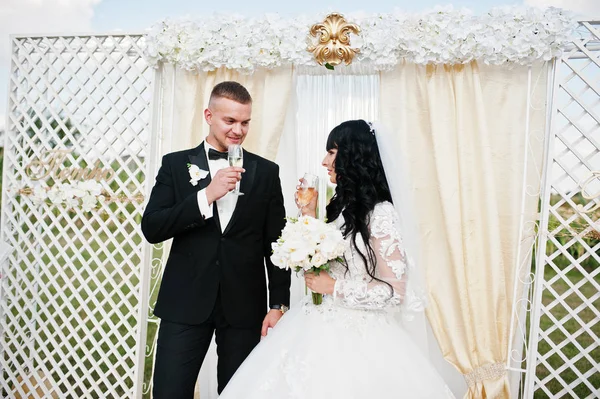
point(306, 191)
point(235, 156)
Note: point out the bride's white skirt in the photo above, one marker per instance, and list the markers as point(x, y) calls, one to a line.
point(330, 352)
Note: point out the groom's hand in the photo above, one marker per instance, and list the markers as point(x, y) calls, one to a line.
point(270, 320)
point(223, 182)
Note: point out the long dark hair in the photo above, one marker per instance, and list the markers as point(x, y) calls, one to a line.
point(361, 183)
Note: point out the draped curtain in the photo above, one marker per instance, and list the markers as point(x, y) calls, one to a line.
point(185, 95)
point(464, 133)
point(324, 99)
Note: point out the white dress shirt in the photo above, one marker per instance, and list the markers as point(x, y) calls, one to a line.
point(225, 205)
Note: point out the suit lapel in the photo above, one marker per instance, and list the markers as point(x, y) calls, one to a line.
point(245, 187)
point(198, 158)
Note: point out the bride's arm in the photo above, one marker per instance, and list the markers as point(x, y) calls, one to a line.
point(390, 267)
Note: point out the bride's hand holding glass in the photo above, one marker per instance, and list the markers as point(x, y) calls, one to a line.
point(307, 195)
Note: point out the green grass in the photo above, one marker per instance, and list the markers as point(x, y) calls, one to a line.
point(556, 323)
point(568, 326)
point(152, 327)
point(36, 307)
point(58, 284)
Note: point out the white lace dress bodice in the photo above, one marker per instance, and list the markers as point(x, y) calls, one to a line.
point(351, 346)
point(354, 288)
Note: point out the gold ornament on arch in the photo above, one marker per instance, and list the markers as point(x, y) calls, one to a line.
point(333, 40)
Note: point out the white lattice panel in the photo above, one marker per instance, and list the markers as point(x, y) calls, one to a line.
point(73, 306)
point(565, 336)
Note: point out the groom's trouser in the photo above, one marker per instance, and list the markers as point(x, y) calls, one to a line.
point(181, 348)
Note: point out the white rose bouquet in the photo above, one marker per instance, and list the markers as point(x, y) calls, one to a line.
point(308, 244)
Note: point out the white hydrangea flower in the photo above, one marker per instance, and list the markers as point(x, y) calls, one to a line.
point(38, 195)
point(72, 203)
point(513, 34)
point(88, 203)
point(92, 187)
point(82, 194)
point(57, 194)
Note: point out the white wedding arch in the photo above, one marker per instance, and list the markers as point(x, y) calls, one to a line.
point(78, 284)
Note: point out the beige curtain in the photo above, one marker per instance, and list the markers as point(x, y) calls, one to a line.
point(185, 95)
point(461, 133)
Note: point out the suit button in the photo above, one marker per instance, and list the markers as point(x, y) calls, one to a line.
point(222, 239)
point(217, 263)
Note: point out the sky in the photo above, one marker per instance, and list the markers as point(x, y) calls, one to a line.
point(131, 16)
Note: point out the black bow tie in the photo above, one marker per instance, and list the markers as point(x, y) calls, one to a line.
point(214, 154)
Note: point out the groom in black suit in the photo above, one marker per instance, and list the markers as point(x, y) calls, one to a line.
point(214, 279)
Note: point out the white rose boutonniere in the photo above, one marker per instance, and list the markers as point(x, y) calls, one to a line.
point(196, 174)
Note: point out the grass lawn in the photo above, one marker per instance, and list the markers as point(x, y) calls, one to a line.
point(73, 302)
point(566, 325)
point(558, 352)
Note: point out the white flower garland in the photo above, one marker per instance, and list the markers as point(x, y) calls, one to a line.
point(514, 34)
point(85, 194)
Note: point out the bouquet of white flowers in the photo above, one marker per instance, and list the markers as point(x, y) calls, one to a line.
point(308, 244)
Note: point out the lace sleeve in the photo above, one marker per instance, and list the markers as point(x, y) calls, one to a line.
point(390, 268)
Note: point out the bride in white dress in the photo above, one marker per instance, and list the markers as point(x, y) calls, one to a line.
point(352, 345)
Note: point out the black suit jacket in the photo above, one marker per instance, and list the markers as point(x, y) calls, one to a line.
point(203, 260)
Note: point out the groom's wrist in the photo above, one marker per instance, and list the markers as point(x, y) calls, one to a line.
point(282, 308)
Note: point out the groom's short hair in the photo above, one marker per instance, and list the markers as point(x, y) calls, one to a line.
point(231, 90)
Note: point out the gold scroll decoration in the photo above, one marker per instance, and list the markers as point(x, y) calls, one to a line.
point(333, 40)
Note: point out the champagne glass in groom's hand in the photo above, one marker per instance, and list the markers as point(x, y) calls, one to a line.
point(235, 155)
